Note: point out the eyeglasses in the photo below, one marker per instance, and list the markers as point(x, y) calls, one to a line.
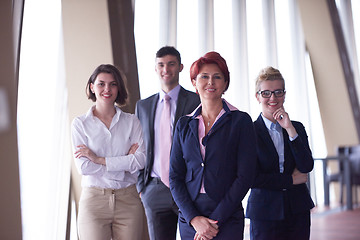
point(268, 93)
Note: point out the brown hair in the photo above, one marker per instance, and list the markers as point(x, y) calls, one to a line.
point(118, 76)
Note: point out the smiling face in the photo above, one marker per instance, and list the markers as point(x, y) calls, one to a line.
point(168, 69)
point(210, 82)
point(269, 105)
point(105, 88)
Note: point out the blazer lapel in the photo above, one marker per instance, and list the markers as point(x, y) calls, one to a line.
point(194, 128)
point(263, 134)
point(181, 103)
point(220, 122)
point(223, 119)
point(153, 105)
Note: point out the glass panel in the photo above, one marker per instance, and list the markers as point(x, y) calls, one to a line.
point(286, 57)
point(147, 43)
point(187, 38)
point(256, 49)
point(316, 136)
point(43, 136)
point(223, 41)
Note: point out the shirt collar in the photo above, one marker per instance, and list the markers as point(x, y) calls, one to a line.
point(90, 113)
point(268, 123)
point(174, 93)
point(226, 106)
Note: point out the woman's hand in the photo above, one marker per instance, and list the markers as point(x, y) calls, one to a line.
point(84, 151)
point(133, 148)
point(283, 119)
point(299, 177)
point(205, 228)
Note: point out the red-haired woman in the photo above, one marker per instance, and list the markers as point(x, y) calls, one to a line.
point(212, 163)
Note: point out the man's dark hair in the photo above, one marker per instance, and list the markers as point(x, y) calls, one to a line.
point(168, 50)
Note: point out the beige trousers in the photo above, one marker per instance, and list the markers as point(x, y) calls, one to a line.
point(106, 214)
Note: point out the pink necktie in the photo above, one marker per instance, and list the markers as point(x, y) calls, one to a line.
point(165, 140)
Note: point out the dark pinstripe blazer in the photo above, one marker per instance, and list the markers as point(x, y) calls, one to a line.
point(266, 200)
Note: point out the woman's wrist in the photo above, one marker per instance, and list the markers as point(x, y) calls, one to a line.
point(291, 131)
point(101, 160)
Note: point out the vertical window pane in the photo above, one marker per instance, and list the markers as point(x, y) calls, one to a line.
point(147, 43)
point(256, 48)
point(286, 57)
point(43, 138)
point(187, 37)
point(223, 39)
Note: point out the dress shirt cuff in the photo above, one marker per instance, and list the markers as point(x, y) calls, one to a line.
point(293, 138)
point(117, 164)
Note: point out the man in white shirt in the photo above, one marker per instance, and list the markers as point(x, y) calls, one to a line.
point(161, 210)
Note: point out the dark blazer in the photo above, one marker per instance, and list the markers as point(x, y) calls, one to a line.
point(228, 167)
point(145, 110)
point(266, 200)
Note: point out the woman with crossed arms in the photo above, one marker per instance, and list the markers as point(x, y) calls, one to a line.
point(109, 152)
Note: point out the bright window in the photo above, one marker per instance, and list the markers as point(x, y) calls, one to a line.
point(42, 123)
point(146, 39)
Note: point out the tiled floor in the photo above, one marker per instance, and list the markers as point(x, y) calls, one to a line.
point(331, 224)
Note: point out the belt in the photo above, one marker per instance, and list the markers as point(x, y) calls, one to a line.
point(157, 180)
point(115, 191)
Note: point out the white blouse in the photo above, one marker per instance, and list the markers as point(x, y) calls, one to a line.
point(113, 144)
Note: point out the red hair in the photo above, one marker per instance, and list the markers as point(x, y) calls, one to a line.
point(210, 58)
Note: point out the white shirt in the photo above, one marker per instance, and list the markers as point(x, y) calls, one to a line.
point(276, 134)
point(174, 93)
point(114, 143)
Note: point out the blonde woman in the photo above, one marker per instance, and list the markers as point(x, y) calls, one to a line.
point(279, 203)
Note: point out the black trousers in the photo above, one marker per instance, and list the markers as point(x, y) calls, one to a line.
point(292, 227)
point(161, 211)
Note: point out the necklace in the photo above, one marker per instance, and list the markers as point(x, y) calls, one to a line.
point(208, 121)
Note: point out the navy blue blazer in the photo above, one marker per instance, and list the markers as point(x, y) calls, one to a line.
point(145, 111)
point(228, 168)
point(266, 200)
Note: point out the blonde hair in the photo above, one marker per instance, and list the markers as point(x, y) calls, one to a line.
point(268, 74)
